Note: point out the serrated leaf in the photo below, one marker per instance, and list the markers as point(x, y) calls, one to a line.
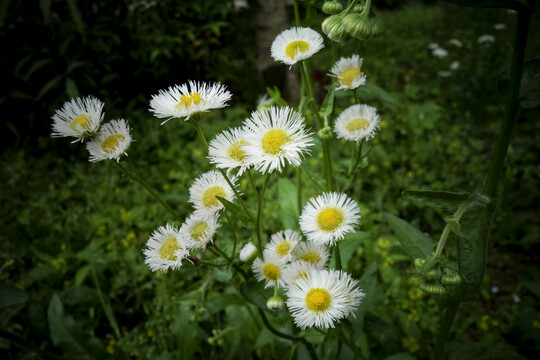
point(454, 225)
point(255, 294)
point(529, 95)
point(414, 242)
point(437, 199)
point(327, 106)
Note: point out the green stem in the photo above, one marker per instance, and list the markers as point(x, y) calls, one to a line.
point(296, 13)
point(277, 332)
point(338, 257)
point(106, 306)
point(457, 215)
point(350, 344)
point(201, 134)
point(328, 162)
point(259, 210)
point(309, 88)
point(235, 238)
point(446, 325)
point(299, 189)
point(355, 96)
point(505, 133)
point(255, 192)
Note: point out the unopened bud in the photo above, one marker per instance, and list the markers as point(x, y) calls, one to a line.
point(332, 7)
point(451, 279)
point(378, 28)
point(275, 303)
point(358, 26)
point(431, 275)
point(432, 288)
point(248, 252)
point(325, 133)
point(332, 26)
point(358, 8)
point(418, 263)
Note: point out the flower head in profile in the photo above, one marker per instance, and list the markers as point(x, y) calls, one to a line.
point(327, 218)
point(199, 229)
point(111, 142)
point(166, 249)
point(226, 151)
point(283, 242)
point(295, 44)
point(357, 122)
point(322, 298)
point(348, 72)
point(79, 118)
point(189, 100)
point(203, 192)
point(310, 252)
point(269, 269)
point(274, 136)
point(248, 252)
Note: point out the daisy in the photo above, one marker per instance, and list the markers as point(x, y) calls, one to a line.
point(357, 122)
point(312, 253)
point(273, 136)
point(248, 252)
point(295, 44)
point(111, 142)
point(269, 269)
point(203, 192)
point(322, 298)
point(78, 118)
point(282, 243)
point(183, 101)
point(328, 217)
point(486, 38)
point(455, 42)
point(439, 52)
point(226, 151)
point(199, 229)
point(348, 72)
point(166, 249)
point(297, 270)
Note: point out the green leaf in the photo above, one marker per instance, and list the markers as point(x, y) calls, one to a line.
point(529, 94)
point(370, 91)
point(316, 179)
point(71, 88)
point(81, 274)
point(401, 356)
point(497, 4)
point(45, 6)
point(12, 297)
point(288, 208)
point(461, 351)
point(348, 246)
point(327, 106)
point(222, 273)
point(454, 225)
point(76, 15)
point(255, 294)
point(437, 199)
point(313, 336)
point(236, 210)
point(414, 242)
point(48, 87)
point(4, 5)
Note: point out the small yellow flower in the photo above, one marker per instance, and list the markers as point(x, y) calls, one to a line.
point(111, 346)
point(125, 215)
point(63, 247)
point(411, 344)
point(59, 263)
point(484, 325)
point(409, 174)
point(101, 230)
point(149, 333)
point(413, 315)
point(383, 243)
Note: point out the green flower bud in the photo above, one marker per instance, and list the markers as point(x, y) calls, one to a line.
point(358, 8)
point(325, 133)
point(332, 7)
point(418, 263)
point(451, 279)
point(333, 28)
point(432, 288)
point(431, 275)
point(378, 27)
point(358, 26)
point(275, 303)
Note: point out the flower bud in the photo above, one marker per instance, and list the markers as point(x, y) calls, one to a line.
point(325, 133)
point(418, 263)
point(248, 252)
point(332, 7)
point(333, 28)
point(275, 303)
point(358, 26)
point(451, 279)
point(358, 8)
point(431, 275)
point(378, 27)
point(432, 288)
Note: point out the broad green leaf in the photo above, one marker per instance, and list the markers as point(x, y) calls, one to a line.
point(222, 273)
point(437, 199)
point(236, 210)
point(414, 242)
point(327, 106)
point(498, 4)
point(255, 294)
point(370, 91)
point(529, 95)
point(288, 208)
point(313, 336)
point(81, 274)
point(462, 351)
point(11, 297)
point(454, 225)
point(352, 241)
point(71, 88)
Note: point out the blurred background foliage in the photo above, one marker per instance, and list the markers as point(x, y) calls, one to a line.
point(73, 280)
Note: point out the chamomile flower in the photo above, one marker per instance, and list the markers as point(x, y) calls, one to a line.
point(203, 192)
point(248, 252)
point(111, 142)
point(357, 122)
point(275, 135)
point(348, 72)
point(322, 298)
point(295, 44)
point(166, 249)
point(199, 229)
point(283, 242)
point(185, 101)
point(327, 218)
point(297, 270)
point(312, 253)
point(78, 118)
point(226, 152)
point(269, 269)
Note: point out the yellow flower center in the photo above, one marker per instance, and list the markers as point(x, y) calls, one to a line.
point(270, 272)
point(295, 47)
point(357, 124)
point(187, 100)
point(209, 197)
point(311, 257)
point(330, 219)
point(347, 77)
point(81, 121)
point(302, 275)
point(283, 248)
point(168, 249)
point(318, 300)
point(273, 140)
point(198, 230)
point(111, 142)
point(235, 151)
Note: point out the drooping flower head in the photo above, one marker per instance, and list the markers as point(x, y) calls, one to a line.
point(283, 242)
point(166, 249)
point(199, 229)
point(349, 73)
point(295, 44)
point(269, 269)
point(203, 192)
point(185, 101)
point(327, 218)
point(313, 253)
point(111, 142)
point(226, 151)
point(357, 122)
point(79, 118)
point(273, 136)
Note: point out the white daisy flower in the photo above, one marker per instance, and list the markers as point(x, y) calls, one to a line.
point(183, 101)
point(269, 269)
point(444, 73)
point(275, 135)
point(203, 192)
point(78, 118)
point(226, 151)
point(166, 249)
point(486, 38)
point(297, 270)
point(357, 122)
point(111, 142)
point(322, 298)
point(433, 46)
point(455, 42)
point(439, 52)
point(248, 252)
point(283, 242)
point(327, 218)
point(349, 73)
point(199, 229)
point(295, 44)
point(312, 253)
point(454, 65)
point(499, 26)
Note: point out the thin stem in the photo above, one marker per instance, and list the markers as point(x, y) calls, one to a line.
point(233, 224)
point(350, 344)
point(296, 13)
point(457, 215)
point(277, 332)
point(299, 189)
point(309, 89)
point(255, 192)
point(338, 257)
point(328, 163)
point(259, 209)
point(201, 134)
point(446, 325)
point(355, 96)
point(106, 306)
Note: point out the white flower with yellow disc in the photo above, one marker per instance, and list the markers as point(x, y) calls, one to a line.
point(297, 270)
point(274, 136)
point(312, 253)
point(199, 229)
point(184, 101)
point(295, 44)
point(269, 269)
point(78, 118)
point(357, 123)
point(203, 192)
point(328, 217)
point(349, 73)
point(283, 242)
point(166, 249)
point(111, 142)
point(226, 151)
